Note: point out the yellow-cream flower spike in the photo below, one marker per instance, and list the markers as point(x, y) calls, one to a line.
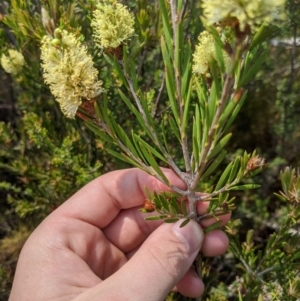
point(12, 62)
point(112, 24)
point(69, 71)
point(247, 12)
point(204, 53)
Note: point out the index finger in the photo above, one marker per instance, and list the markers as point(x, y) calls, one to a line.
point(100, 201)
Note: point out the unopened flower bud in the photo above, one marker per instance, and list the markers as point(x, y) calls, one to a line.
point(48, 23)
point(255, 163)
point(55, 42)
point(58, 33)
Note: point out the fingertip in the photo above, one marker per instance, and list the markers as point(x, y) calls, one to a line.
point(202, 207)
point(215, 243)
point(190, 285)
point(157, 185)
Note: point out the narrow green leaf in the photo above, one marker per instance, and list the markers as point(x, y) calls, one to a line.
point(155, 217)
point(250, 57)
point(249, 236)
point(172, 220)
point(178, 47)
point(261, 35)
point(149, 118)
point(157, 202)
point(98, 111)
point(220, 58)
point(172, 210)
point(286, 177)
point(150, 148)
point(271, 239)
point(255, 172)
point(202, 103)
point(165, 54)
point(212, 105)
point(220, 145)
point(224, 177)
point(249, 74)
point(180, 5)
point(184, 223)
point(223, 197)
point(216, 79)
point(99, 132)
point(186, 110)
point(164, 202)
point(170, 84)
point(115, 64)
point(174, 128)
point(122, 157)
point(245, 187)
point(186, 70)
point(213, 205)
point(174, 204)
point(238, 69)
point(201, 90)
point(236, 102)
point(137, 114)
point(214, 226)
point(166, 25)
point(163, 133)
point(170, 80)
point(235, 112)
point(137, 147)
point(234, 170)
point(152, 162)
point(183, 208)
point(109, 59)
point(104, 113)
point(215, 163)
point(212, 30)
point(148, 193)
point(132, 67)
point(123, 137)
point(244, 160)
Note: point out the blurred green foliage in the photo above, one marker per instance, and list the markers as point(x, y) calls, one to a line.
point(45, 158)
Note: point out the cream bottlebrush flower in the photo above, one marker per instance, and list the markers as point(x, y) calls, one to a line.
point(112, 24)
point(247, 12)
point(204, 53)
point(69, 71)
point(13, 62)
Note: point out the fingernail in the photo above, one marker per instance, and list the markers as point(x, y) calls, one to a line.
point(191, 235)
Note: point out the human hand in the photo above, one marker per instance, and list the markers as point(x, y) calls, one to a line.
point(97, 246)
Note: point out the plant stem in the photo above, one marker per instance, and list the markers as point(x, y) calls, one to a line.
point(153, 133)
point(192, 204)
point(154, 110)
point(176, 22)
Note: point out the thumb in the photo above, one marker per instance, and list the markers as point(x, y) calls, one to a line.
point(160, 263)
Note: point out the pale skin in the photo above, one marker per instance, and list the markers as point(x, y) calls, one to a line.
point(97, 246)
